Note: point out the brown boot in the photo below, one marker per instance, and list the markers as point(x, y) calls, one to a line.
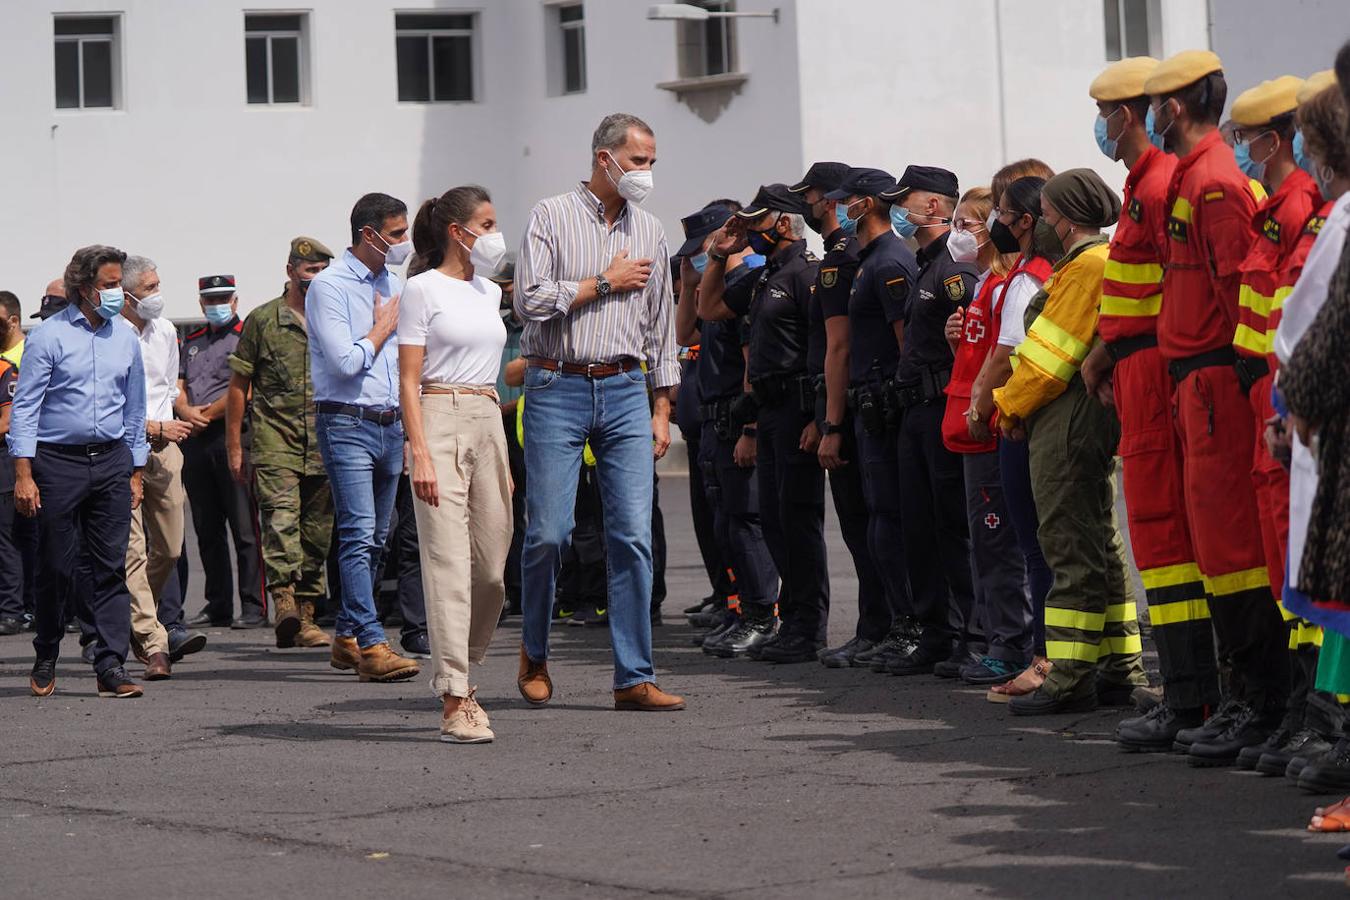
point(288, 616)
point(310, 635)
point(379, 663)
point(647, 697)
point(533, 681)
point(346, 654)
point(157, 667)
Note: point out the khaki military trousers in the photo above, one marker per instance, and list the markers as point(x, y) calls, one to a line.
point(154, 545)
point(464, 539)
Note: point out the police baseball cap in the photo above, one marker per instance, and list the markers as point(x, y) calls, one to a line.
point(701, 224)
point(774, 198)
point(49, 306)
point(215, 285)
point(925, 178)
point(862, 183)
point(824, 176)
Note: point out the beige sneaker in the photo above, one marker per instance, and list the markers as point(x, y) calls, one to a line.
point(467, 725)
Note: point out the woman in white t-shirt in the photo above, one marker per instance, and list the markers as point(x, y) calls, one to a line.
point(450, 348)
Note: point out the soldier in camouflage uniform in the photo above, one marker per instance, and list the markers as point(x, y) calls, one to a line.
point(272, 364)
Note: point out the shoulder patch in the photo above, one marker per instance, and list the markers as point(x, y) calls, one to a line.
point(1314, 226)
point(1136, 210)
point(829, 277)
point(1211, 196)
point(1270, 229)
point(956, 287)
point(811, 256)
point(898, 288)
point(840, 245)
point(196, 334)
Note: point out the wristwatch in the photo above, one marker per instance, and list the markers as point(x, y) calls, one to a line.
point(749, 431)
point(602, 286)
point(716, 257)
point(827, 428)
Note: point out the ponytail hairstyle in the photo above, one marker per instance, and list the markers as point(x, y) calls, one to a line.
point(431, 228)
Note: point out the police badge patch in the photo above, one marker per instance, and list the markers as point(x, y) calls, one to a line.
point(829, 277)
point(956, 288)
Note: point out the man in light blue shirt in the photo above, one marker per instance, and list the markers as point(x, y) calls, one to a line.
point(77, 435)
point(351, 311)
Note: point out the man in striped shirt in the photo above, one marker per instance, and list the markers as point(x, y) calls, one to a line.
point(592, 290)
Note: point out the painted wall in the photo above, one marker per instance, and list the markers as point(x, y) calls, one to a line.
point(1262, 40)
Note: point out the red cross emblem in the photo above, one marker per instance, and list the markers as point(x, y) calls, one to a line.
point(991, 521)
point(974, 331)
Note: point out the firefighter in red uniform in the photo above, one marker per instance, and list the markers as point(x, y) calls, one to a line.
point(1264, 120)
point(1127, 370)
point(1210, 205)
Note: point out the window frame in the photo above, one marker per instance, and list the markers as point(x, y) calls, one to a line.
point(301, 35)
point(473, 33)
point(579, 27)
point(1121, 49)
point(692, 44)
point(112, 38)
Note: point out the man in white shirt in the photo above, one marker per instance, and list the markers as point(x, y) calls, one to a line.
point(157, 525)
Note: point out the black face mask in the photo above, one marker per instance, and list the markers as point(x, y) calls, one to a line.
point(1003, 239)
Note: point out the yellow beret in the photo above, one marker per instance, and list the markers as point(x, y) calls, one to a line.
point(1258, 105)
point(310, 250)
point(1315, 84)
point(1185, 68)
point(1123, 80)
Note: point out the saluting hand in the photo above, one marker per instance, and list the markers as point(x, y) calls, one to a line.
point(730, 238)
point(626, 274)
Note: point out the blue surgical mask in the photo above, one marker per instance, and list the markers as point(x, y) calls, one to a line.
point(699, 262)
point(1153, 137)
point(110, 302)
point(846, 224)
point(901, 224)
point(1109, 146)
point(1301, 157)
point(1251, 168)
point(219, 313)
point(754, 261)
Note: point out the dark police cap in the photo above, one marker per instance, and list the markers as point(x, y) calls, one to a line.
point(310, 250)
point(700, 225)
point(824, 176)
point(215, 285)
point(925, 178)
point(50, 306)
point(774, 198)
point(863, 183)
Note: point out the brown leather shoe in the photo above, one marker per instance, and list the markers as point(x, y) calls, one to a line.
point(533, 681)
point(288, 616)
point(646, 697)
point(310, 635)
point(157, 668)
point(346, 654)
point(379, 663)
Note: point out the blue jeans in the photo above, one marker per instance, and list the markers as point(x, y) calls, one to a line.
point(363, 460)
point(562, 413)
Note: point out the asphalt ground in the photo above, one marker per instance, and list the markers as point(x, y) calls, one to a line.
point(257, 772)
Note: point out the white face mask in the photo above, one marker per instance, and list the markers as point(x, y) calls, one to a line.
point(394, 254)
point(633, 186)
point(150, 307)
point(963, 246)
point(487, 251)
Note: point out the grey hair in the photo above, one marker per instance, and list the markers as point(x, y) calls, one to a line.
point(84, 265)
point(136, 268)
point(612, 132)
point(797, 223)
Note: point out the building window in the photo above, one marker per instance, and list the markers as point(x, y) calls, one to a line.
point(275, 57)
point(573, 27)
point(86, 62)
point(435, 57)
point(1130, 28)
point(708, 47)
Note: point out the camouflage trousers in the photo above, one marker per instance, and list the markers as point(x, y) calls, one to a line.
point(297, 527)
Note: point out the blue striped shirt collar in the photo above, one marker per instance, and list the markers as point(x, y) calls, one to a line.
point(592, 202)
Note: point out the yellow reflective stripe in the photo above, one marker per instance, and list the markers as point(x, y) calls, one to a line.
point(1236, 582)
point(1122, 612)
point(1248, 338)
point(1258, 189)
point(1122, 646)
point(1058, 338)
point(1178, 611)
point(1046, 360)
point(1056, 617)
point(1132, 273)
point(1250, 298)
point(1128, 306)
point(1182, 209)
point(1281, 294)
point(1305, 634)
point(1170, 576)
point(1088, 653)
point(1284, 613)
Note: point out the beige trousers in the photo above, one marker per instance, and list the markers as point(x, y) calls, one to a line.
point(156, 540)
point(464, 540)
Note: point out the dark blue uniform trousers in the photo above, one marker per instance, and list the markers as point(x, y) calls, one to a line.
point(733, 496)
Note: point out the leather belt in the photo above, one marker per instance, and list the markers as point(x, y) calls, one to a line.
point(378, 416)
point(1128, 346)
point(1180, 368)
point(89, 450)
point(589, 370)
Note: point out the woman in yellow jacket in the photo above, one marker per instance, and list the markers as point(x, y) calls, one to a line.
point(1091, 631)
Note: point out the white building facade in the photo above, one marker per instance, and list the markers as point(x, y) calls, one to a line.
point(207, 133)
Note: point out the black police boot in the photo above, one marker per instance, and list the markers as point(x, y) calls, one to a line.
point(899, 641)
point(844, 657)
point(920, 661)
point(749, 634)
point(711, 638)
point(1156, 730)
point(708, 603)
point(790, 648)
point(1249, 728)
point(1212, 727)
point(1291, 725)
point(1305, 742)
point(964, 655)
point(1329, 773)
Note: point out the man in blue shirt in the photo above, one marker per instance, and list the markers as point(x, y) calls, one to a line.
point(77, 435)
point(351, 311)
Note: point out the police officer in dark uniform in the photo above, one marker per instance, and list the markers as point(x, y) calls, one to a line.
point(833, 438)
point(729, 476)
point(877, 296)
point(791, 482)
point(215, 497)
point(933, 493)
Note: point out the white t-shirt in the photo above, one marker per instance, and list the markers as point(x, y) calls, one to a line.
point(458, 323)
point(1012, 330)
point(159, 355)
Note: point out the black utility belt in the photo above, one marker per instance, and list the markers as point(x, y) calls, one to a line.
point(370, 414)
point(1129, 346)
point(796, 388)
point(86, 450)
point(729, 415)
point(1250, 370)
point(931, 385)
point(1180, 368)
